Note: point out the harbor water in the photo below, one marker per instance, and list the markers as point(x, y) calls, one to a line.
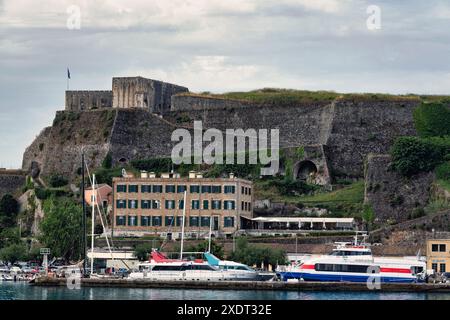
point(24, 291)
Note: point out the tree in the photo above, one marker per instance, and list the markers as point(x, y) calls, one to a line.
point(107, 162)
point(368, 216)
point(57, 181)
point(61, 227)
point(216, 249)
point(432, 120)
point(253, 255)
point(411, 155)
point(142, 251)
point(9, 236)
point(13, 253)
point(9, 208)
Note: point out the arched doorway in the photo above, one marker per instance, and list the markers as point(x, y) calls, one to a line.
point(306, 171)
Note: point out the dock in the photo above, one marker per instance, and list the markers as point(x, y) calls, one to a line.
point(246, 285)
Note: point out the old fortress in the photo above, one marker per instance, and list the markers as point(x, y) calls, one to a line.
point(340, 138)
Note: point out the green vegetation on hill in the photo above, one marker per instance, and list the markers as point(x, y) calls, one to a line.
point(411, 155)
point(347, 201)
point(281, 96)
point(432, 120)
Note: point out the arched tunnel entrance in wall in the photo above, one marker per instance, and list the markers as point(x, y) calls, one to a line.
point(305, 171)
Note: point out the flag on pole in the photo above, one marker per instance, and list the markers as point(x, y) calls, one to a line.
point(68, 73)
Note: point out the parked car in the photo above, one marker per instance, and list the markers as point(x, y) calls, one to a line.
point(445, 277)
point(15, 269)
point(27, 269)
point(4, 268)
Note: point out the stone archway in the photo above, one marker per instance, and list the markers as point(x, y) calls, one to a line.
point(306, 171)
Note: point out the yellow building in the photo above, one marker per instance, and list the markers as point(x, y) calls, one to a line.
point(438, 255)
point(154, 205)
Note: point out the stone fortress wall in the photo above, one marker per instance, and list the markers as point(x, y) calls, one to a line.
point(81, 100)
point(188, 101)
point(127, 92)
point(137, 92)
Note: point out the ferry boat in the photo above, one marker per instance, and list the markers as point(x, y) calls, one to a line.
point(353, 262)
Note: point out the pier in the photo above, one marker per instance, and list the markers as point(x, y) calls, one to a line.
point(247, 285)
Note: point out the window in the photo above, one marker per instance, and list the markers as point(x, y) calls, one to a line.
point(132, 221)
point(121, 221)
point(156, 221)
point(195, 205)
point(193, 221)
point(206, 189)
point(434, 247)
point(229, 189)
point(170, 188)
point(342, 268)
point(146, 188)
point(194, 189)
point(242, 205)
point(228, 222)
point(132, 204)
point(121, 188)
point(157, 188)
point(181, 204)
point(442, 248)
point(170, 204)
point(434, 267)
point(169, 221)
point(245, 206)
point(146, 204)
point(242, 190)
point(204, 221)
point(181, 189)
point(249, 206)
point(249, 191)
point(205, 204)
point(442, 267)
point(121, 204)
point(156, 204)
point(132, 188)
point(145, 221)
point(216, 189)
point(216, 204)
point(179, 221)
point(229, 205)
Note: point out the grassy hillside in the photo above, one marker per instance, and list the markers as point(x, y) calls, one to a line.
point(288, 96)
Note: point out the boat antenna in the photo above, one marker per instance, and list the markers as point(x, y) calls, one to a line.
point(182, 225)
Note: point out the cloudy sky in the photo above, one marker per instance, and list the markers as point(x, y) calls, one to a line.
point(212, 45)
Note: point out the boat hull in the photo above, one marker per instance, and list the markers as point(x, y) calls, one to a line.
point(329, 277)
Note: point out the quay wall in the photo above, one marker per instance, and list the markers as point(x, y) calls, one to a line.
point(248, 285)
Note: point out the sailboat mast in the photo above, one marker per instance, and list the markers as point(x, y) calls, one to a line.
point(210, 231)
point(84, 238)
point(182, 225)
point(94, 198)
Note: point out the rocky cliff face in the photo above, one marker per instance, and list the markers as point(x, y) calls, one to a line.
point(58, 148)
point(391, 195)
point(11, 181)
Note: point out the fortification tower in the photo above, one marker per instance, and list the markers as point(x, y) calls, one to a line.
point(139, 92)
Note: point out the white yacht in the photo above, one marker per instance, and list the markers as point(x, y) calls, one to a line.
point(160, 268)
